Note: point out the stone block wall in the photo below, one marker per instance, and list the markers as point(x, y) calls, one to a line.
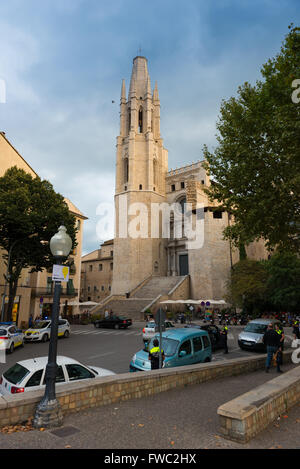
point(244, 417)
point(76, 397)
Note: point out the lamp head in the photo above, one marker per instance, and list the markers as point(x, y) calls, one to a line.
point(61, 243)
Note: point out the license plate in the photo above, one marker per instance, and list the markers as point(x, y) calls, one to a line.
point(248, 343)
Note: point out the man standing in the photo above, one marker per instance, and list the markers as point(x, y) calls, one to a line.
point(154, 355)
point(224, 333)
point(272, 341)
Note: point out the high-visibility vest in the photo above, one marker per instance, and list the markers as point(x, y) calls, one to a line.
point(155, 350)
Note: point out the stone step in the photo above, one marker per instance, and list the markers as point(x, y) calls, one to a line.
point(133, 305)
point(157, 286)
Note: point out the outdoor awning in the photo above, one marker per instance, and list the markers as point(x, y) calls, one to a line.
point(195, 302)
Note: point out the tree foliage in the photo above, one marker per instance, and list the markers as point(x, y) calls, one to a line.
point(30, 214)
point(271, 285)
point(247, 285)
point(256, 164)
point(283, 284)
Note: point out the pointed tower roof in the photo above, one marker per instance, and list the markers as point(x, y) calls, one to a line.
point(139, 77)
point(123, 92)
point(155, 93)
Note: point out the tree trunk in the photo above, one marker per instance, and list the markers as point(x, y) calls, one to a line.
point(13, 285)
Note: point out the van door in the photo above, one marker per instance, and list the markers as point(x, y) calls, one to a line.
point(198, 350)
point(185, 356)
point(206, 347)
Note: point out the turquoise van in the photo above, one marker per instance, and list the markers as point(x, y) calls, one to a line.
point(181, 347)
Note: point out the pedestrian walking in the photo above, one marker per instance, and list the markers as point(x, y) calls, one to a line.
point(224, 333)
point(154, 355)
point(272, 341)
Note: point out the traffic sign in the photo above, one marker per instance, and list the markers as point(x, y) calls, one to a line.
point(60, 273)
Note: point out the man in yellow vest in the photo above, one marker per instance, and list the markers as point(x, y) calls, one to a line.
point(154, 355)
point(224, 333)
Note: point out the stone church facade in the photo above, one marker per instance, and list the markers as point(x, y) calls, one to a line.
point(151, 202)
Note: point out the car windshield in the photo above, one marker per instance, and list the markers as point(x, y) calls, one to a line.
point(256, 328)
point(3, 332)
point(16, 373)
point(40, 325)
point(169, 346)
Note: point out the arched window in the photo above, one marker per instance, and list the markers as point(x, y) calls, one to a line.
point(126, 170)
point(182, 203)
point(154, 172)
point(129, 119)
point(141, 120)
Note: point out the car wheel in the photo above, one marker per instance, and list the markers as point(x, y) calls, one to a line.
point(66, 334)
point(45, 338)
point(11, 348)
point(117, 326)
point(23, 343)
point(207, 360)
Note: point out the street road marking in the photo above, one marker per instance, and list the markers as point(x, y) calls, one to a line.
point(105, 332)
point(101, 355)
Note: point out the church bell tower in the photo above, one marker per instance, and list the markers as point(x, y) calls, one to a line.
point(141, 167)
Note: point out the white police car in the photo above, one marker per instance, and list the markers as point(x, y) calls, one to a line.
point(29, 375)
point(10, 337)
point(40, 331)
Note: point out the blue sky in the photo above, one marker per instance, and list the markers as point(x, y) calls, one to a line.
point(63, 61)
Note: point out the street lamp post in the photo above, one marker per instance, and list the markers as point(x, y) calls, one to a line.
point(48, 413)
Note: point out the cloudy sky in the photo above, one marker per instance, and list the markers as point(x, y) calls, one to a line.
point(62, 62)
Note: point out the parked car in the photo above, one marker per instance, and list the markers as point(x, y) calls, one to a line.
point(40, 331)
point(214, 333)
point(29, 375)
point(115, 322)
point(10, 337)
point(181, 347)
point(251, 337)
point(151, 329)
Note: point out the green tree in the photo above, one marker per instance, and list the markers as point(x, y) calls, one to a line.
point(255, 167)
point(283, 284)
point(30, 214)
point(247, 285)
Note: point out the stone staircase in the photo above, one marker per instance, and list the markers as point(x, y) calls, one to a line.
point(157, 286)
point(142, 297)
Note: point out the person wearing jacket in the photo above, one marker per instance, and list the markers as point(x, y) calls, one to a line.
point(272, 341)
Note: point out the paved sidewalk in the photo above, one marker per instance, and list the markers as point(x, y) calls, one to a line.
point(183, 418)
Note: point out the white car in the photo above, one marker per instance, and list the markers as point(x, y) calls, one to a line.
point(151, 329)
point(29, 375)
point(40, 331)
point(10, 337)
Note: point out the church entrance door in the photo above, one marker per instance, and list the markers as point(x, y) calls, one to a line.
point(183, 264)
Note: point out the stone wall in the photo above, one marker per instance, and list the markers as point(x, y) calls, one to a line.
point(75, 397)
point(244, 417)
